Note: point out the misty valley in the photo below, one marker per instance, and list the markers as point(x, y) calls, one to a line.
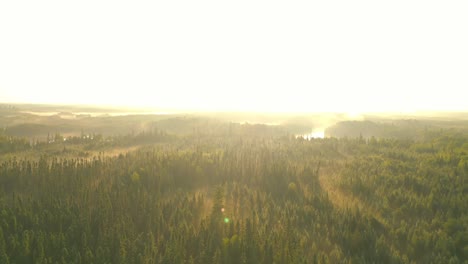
point(93, 185)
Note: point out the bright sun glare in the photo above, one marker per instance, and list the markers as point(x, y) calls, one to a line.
point(242, 55)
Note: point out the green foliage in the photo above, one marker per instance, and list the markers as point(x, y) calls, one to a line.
point(404, 202)
point(292, 187)
point(135, 177)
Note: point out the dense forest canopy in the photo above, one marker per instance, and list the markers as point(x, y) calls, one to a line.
point(178, 189)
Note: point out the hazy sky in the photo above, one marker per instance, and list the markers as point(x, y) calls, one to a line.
point(272, 55)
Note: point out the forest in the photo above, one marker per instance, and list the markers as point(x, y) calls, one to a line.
point(197, 189)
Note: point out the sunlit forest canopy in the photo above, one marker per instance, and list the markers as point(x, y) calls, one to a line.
point(78, 186)
point(225, 132)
